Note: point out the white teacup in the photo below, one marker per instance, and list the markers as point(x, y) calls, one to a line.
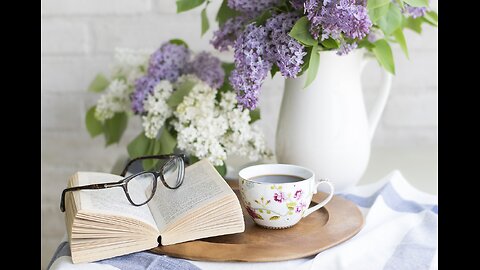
point(277, 196)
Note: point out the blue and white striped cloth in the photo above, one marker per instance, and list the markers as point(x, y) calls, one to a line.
point(400, 232)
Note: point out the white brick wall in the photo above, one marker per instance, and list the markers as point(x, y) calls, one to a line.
point(77, 42)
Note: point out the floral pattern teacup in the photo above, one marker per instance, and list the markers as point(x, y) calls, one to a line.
point(277, 204)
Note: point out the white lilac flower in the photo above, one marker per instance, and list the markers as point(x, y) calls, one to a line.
point(213, 129)
point(115, 99)
point(156, 108)
point(199, 124)
point(130, 64)
point(242, 138)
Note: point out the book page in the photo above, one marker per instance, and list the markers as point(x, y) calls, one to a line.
point(201, 185)
point(111, 200)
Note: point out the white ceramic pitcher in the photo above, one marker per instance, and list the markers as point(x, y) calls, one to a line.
point(325, 126)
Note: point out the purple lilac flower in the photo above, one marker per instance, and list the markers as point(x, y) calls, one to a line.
point(345, 48)
point(336, 17)
point(226, 35)
point(282, 49)
point(168, 61)
point(208, 68)
point(311, 6)
point(414, 12)
point(143, 86)
point(251, 6)
point(251, 65)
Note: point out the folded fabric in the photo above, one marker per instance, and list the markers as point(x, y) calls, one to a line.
point(135, 261)
point(400, 232)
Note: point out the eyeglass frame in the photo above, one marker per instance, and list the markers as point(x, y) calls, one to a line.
point(124, 182)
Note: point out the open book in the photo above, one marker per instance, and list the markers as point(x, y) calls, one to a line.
point(103, 224)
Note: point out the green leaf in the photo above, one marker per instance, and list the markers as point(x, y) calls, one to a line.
point(274, 218)
point(371, 4)
point(114, 127)
point(167, 142)
point(222, 169)
point(227, 67)
point(139, 146)
point(260, 20)
point(330, 43)
point(364, 43)
point(182, 90)
point(417, 3)
point(391, 21)
point(254, 115)
point(178, 41)
point(193, 159)
point(205, 23)
point(301, 33)
point(149, 164)
point(224, 13)
point(94, 126)
point(142, 146)
point(400, 38)
point(377, 13)
point(98, 84)
point(312, 66)
point(400, 3)
point(274, 69)
point(184, 5)
point(414, 24)
point(383, 52)
point(431, 17)
point(157, 148)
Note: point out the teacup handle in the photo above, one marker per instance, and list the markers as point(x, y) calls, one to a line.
point(322, 203)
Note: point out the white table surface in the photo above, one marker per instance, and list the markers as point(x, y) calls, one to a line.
point(417, 164)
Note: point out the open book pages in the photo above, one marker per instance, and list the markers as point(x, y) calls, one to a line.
point(103, 223)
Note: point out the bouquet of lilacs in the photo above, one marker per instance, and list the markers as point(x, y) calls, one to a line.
point(183, 103)
point(287, 36)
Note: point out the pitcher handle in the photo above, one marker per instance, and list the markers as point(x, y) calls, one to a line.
point(376, 111)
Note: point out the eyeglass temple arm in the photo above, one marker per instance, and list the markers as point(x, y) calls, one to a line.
point(92, 186)
point(147, 157)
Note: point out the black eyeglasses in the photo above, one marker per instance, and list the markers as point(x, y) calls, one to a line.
point(136, 186)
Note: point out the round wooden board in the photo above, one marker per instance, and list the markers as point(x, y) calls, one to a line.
point(337, 222)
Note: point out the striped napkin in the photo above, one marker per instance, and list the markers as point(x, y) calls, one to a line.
point(400, 232)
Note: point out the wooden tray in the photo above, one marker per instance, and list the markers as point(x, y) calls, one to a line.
point(338, 221)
